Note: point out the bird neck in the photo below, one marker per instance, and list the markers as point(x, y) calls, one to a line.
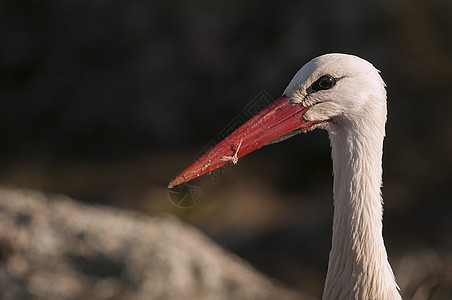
point(358, 267)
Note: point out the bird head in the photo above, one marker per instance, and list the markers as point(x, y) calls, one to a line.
point(340, 89)
point(331, 91)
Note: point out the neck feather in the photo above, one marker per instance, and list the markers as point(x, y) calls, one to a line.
point(358, 267)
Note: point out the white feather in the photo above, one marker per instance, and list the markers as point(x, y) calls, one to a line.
point(358, 267)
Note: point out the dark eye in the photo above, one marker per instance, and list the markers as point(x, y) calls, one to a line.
point(326, 82)
point(323, 83)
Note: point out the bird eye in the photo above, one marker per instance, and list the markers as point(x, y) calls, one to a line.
point(326, 82)
point(323, 83)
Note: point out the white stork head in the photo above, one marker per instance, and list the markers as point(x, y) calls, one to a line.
point(332, 91)
point(340, 88)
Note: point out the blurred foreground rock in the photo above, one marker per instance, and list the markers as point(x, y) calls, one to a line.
point(56, 248)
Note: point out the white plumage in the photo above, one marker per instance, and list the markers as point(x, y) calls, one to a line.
point(358, 267)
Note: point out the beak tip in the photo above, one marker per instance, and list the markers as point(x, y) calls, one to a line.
point(173, 183)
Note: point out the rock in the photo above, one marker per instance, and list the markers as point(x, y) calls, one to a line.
point(52, 247)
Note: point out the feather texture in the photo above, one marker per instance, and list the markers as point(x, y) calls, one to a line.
point(358, 266)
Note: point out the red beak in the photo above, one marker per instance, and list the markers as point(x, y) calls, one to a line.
point(276, 120)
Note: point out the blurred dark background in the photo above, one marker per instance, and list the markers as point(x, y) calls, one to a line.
point(106, 101)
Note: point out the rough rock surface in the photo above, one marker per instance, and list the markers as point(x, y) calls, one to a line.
point(56, 248)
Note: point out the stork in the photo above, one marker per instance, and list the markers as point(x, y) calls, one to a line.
point(346, 96)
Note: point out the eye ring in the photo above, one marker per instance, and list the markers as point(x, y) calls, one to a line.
point(325, 82)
